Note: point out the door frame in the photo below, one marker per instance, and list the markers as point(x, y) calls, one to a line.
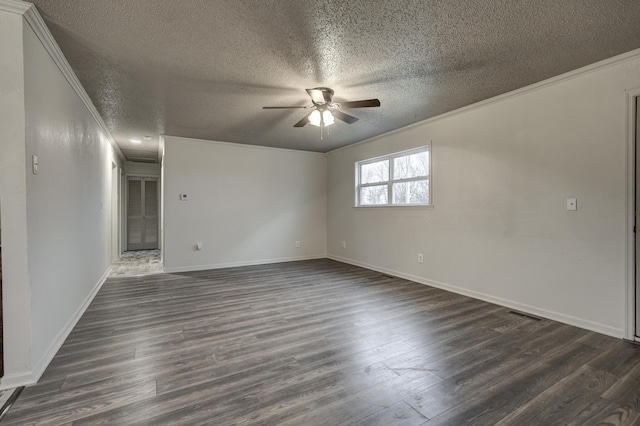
point(2, 310)
point(630, 303)
point(125, 211)
point(115, 216)
point(122, 211)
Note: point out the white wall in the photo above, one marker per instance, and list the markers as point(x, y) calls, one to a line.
point(68, 202)
point(57, 224)
point(15, 276)
point(133, 168)
point(247, 205)
point(500, 230)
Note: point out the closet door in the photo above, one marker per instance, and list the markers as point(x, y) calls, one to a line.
point(142, 213)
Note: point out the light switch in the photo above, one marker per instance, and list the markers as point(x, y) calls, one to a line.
point(572, 204)
point(34, 164)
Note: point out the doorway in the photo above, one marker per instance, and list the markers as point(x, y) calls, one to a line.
point(142, 213)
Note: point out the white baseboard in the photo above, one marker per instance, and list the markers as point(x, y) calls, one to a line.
point(12, 381)
point(556, 316)
point(53, 348)
point(237, 264)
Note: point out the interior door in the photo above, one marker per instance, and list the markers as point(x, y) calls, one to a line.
point(142, 213)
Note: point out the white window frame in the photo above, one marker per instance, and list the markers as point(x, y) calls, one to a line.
point(391, 181)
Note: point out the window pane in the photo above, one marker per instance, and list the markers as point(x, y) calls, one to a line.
point(411, 192)
point(374, 172)
point(413, 165)
point(372, 195)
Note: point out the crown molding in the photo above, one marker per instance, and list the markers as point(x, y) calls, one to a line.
point(15, 6)
point(37, 24)
point(241, 145)
point(587, 69)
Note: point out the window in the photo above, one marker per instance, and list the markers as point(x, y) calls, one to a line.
point(400, 179)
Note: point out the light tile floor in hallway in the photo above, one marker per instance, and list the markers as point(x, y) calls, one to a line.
point(138, 262)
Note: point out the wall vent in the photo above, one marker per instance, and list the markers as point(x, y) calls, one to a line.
point(522, 314)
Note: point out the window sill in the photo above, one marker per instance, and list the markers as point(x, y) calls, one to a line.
point(397, 206)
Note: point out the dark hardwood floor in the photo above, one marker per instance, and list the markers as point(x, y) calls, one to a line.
point(323, 343)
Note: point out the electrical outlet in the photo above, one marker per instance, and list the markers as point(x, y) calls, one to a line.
point(344, 244)
point(297, 244)
point(420, 258)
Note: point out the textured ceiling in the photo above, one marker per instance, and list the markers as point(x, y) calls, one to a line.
point(203, 69)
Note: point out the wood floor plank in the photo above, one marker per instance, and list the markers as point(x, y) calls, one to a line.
point(358, 405)
point(615, 415)
point(464, 382)
point(400, 413)
point(619, 358)
point(322, 343)
point(626, 391)
point(569, 397)
point(234, 388)
point(65, 407)
point(499, 401)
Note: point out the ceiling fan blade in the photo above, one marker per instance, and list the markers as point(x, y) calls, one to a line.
point(284, 107)
point(349, 119)
point(360, 104)
point(302, 122)
point(320, 95)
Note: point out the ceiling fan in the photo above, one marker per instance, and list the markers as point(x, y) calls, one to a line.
point(325, 110)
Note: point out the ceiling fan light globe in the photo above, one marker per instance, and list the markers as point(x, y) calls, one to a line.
point(327, 117)
point(315, 118)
